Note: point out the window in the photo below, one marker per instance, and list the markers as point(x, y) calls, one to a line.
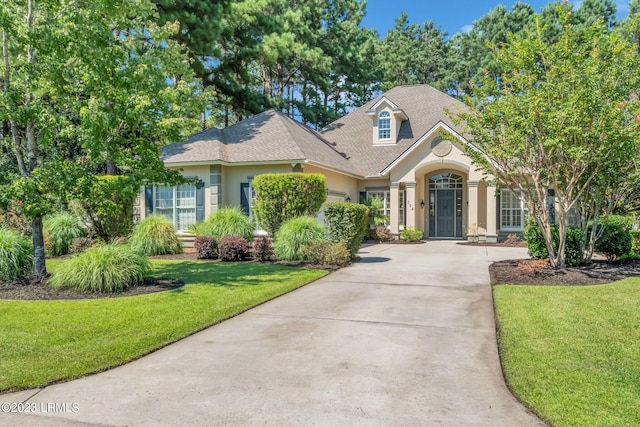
point(177, 204)
point(385, 196)
point(384, 125)
point(512, 211)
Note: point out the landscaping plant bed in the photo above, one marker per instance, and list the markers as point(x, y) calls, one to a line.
point(539, 272)
point(29, 289)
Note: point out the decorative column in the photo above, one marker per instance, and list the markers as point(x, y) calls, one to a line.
point(410, 206)
point(472, 210)
point(492, 233)
point(394, 203)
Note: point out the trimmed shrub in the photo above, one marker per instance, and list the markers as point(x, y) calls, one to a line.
point(347, 223)
point(155, 236)
point(262, 248)
point(206, 247)
point(16, 255)
point(411, 234)
point(383, 234)
point(615, 239)
point(226, 222)
point(233, 248)
point(635, 240)
point(538, 249)
point(281, 197)
point(294, 235)
point(324, 252)
point(81, 244)
point(108, 268)
point(60, 229)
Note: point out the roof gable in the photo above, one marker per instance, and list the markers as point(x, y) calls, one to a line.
point(424, 107)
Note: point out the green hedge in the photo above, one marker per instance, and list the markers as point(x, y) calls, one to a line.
point(347, 223)
point(538, 249)
point(280, 197)
point(615, 239)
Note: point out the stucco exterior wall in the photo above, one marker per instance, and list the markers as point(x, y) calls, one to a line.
point(337, 182)
point(233, 176)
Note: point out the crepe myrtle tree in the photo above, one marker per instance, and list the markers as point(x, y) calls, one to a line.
point(84, 83)
point(563, 115)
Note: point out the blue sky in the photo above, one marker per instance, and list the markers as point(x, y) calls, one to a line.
point(451, 16)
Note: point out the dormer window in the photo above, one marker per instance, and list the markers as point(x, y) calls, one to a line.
point(384, 125)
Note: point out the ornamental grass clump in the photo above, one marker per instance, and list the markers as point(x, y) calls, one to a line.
point(155, 236)
point(16, 255)
point(294, 235)
point(105, 269)
point(226, 222)
point(60, 229)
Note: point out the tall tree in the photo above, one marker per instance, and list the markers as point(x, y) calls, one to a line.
point(564, 115)
point(83, 85)
point(414, 54)
point(472, 50)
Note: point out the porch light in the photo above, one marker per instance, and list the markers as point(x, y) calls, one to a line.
point(422, 204)
point(348, 199)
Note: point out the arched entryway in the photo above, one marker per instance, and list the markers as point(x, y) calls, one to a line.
point(445, 205)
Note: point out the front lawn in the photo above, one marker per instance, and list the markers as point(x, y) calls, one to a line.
point(48, 341)
point(572, 353)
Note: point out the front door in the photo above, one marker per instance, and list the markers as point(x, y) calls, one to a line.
point(445, 213)
point(445, 206)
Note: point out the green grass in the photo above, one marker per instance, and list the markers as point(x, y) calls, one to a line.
point(572, 354)
point(48, 341)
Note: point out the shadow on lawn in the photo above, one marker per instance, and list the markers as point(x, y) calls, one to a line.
point(222, 274)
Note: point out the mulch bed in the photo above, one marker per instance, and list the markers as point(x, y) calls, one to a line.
point(539, 272)
point(31, 289)
point(39, 290)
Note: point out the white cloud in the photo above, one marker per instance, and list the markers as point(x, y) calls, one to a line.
point(466, 28)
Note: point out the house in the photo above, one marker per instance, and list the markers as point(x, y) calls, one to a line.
point(392, 148)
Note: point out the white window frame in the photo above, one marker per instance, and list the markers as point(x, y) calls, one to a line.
point(521, 210)
point(384, 126)
point(174, 203)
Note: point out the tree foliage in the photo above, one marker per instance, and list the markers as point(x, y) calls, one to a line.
point(85, 86)
point(563, 115)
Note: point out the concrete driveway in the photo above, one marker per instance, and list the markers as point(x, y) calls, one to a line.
point(405, 337)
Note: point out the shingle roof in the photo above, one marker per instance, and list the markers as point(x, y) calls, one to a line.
point(424, 105)
point(345, 145)
point(268, 136)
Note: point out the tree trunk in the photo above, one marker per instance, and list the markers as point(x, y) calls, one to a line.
point(37, 235)
point(111, 168)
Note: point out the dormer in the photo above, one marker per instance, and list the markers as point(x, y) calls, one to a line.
point(387, 118)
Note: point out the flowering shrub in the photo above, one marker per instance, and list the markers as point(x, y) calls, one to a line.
point(383, 233)
point(233, 248)
point(16, 222)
